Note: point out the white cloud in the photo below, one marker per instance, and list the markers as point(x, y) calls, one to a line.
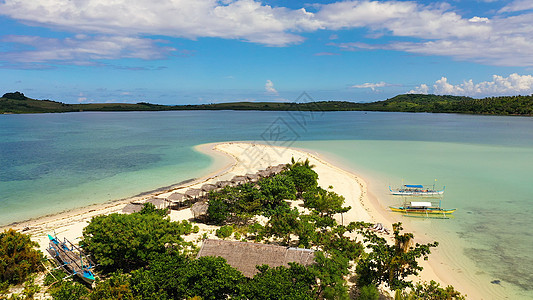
point(372, 86)
point(241, 19)
point(517, 5)
point(83, 50)
point(421, 89)
point(514, 84)
point(434, 29)
point(269, 87)
point(477, 19)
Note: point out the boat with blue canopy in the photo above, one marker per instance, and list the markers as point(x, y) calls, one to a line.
point(416, 190)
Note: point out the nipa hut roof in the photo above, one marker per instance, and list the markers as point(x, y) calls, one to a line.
point(176, 197)
point(245, 256)
point(193, 192)
point(237, 179)
point(251, 176)
point(264, 173)
point(159, 203)
point(132, 208)
point(223, 183)
point(199, 209)
point(208, 187)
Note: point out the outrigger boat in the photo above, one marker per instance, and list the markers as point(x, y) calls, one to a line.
point(74, 263)
point(421, 209)
point(416, 190)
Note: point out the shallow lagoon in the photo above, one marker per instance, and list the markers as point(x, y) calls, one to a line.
point(53, 162)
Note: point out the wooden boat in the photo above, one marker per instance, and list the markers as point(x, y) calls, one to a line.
point(416, 190)
point(427, 209)
point(73, 262)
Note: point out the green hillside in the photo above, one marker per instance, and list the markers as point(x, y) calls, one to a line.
point(506, 105)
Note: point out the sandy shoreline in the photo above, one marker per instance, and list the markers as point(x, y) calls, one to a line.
point(240, 158)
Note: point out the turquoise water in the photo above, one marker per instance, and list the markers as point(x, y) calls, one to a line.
point(53, 162)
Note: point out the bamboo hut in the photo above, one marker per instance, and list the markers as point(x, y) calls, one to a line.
point(177, 199)
point(223, 183)
point(238, 179)
point(159, 203)
point(193, 193)
point(252, 177)
point(264, 173)
point(132, 208)
point(206, 188)
point(245, 256)
point(199, 210)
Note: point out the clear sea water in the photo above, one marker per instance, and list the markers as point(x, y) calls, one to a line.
point(54, 162)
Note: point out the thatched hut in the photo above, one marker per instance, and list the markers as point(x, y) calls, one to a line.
point(176, 197)
point(159, 203)
point(132, 208)
point(245, 256)
point(252, 177)
point(238, 179)
point(223, 183)
point(199, 210)
point(264, 173)
point(193, 193)
point(206, 188)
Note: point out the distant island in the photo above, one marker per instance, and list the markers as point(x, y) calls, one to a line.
point(17, 103)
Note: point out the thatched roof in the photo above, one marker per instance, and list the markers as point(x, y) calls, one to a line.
point(223, 183)
point(159, 203)
point(264, 173)
point(132, 208)
point(208, 187)
point(193, 193)
point(238, 179)
point(277, 169)
point(176, 197)
point(252, 177)
point(199, 209)
point(245, 256)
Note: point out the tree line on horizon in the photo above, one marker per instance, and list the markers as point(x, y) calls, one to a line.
point(503, 105)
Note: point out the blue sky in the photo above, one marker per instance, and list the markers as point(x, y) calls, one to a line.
point(205, 51)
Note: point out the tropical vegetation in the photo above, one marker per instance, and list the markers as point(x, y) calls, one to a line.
point(144, 255)
point(504, 105)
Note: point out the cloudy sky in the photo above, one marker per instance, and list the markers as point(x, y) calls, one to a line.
point(204, 51)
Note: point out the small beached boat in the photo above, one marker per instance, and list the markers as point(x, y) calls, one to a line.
point(73, 262)
point(419, 208)
point(416, 190)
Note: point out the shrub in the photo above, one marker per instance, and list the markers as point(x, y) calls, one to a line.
point(18, 258)
point(224, 231)
point(368, 292)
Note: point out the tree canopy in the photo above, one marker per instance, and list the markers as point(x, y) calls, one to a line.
point(120, 241)
point(18, 257)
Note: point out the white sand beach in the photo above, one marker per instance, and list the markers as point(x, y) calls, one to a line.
point(240, 158)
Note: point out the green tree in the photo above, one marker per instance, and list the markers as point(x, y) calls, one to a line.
point(325, 203)
point(69, 290)
point(368, 292)
point(302, 175)
point(18, 258)
point(224, 231)
point(331, 269)
point(127, 242)
point(116, 287)
point(429, 291)
point(177, 277)
point(283, 222)
point(276, 189)
point(391, 263)
point(295, 282)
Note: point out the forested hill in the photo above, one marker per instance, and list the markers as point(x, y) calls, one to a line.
point(506, 105)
